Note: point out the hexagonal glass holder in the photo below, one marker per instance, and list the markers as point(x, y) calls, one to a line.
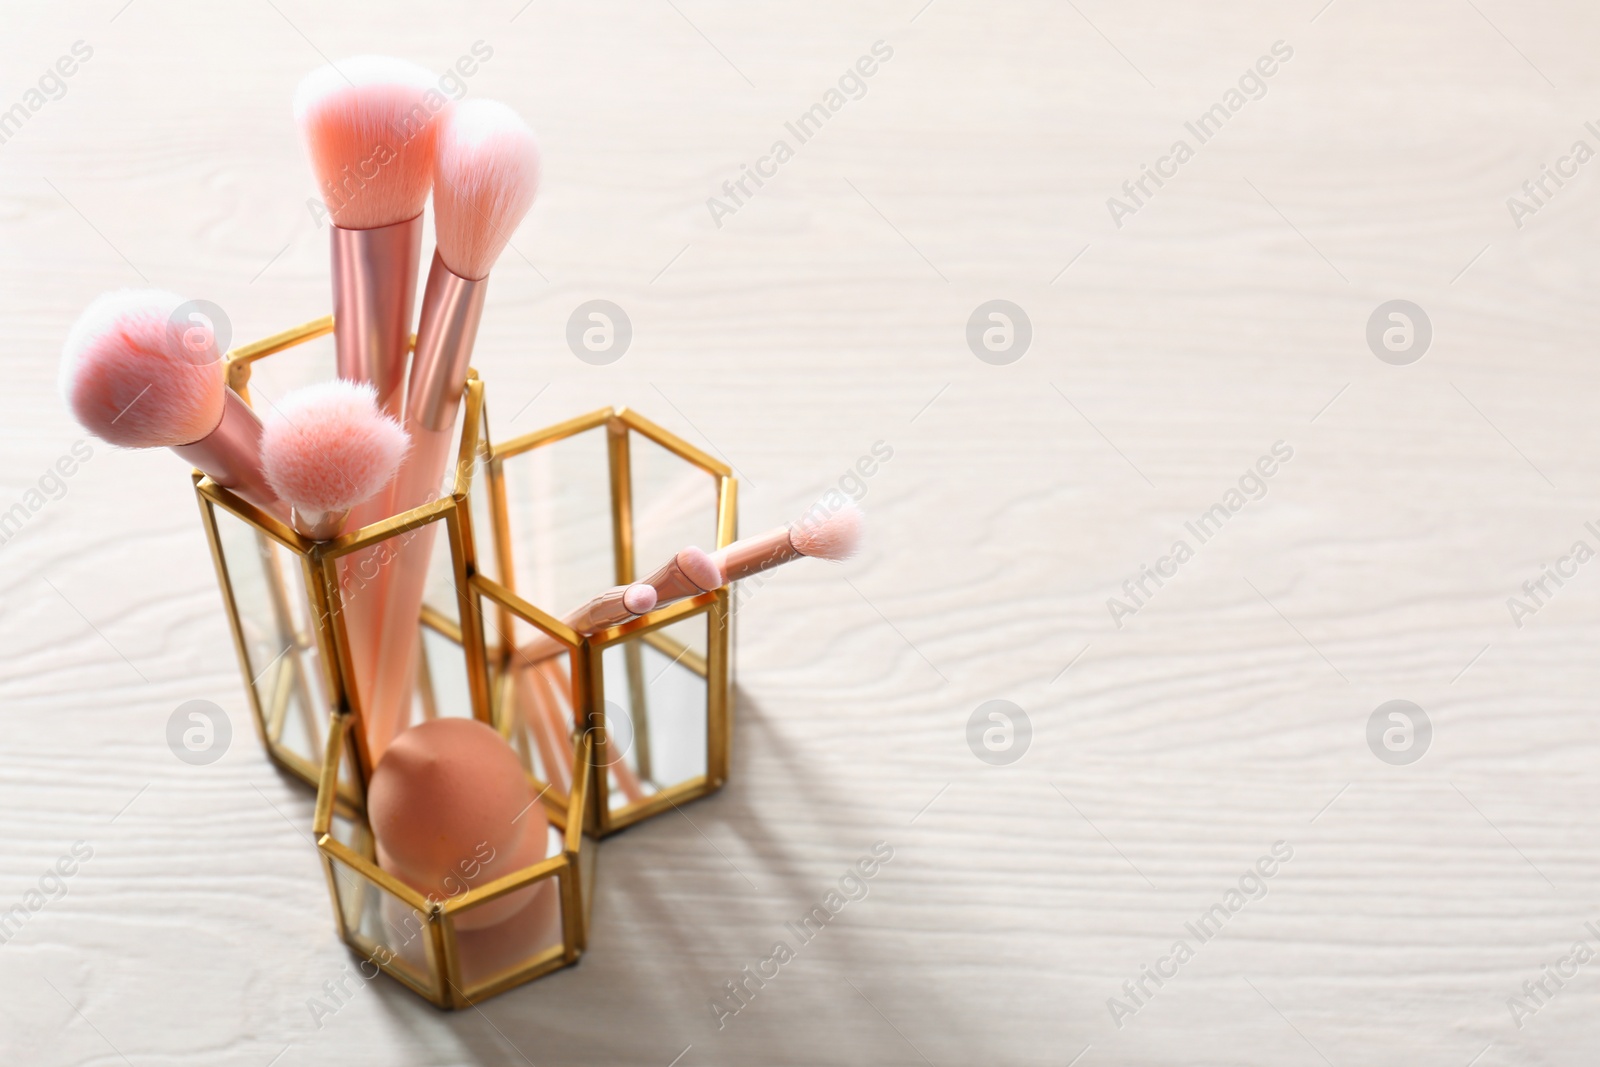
point(288, 602)
point(419, 940)
point(588, 498)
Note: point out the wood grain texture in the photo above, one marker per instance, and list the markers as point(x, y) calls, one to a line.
point(826, 314)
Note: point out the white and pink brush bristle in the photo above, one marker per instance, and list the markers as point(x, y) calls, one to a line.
point(486, 174)
point(135, 378)
point(328, 447)
point(834, 536)
point(370, 124)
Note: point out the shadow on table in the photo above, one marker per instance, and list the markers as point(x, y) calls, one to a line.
point(682, 903)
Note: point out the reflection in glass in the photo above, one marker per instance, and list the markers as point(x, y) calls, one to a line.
point(655, 708)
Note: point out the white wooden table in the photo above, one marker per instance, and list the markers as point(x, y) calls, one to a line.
point(827, 312)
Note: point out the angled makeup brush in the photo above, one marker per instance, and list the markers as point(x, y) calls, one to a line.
point(325, 449)
point(135, 378)
point(486, 173)
point(832, 536)
point(369, 130)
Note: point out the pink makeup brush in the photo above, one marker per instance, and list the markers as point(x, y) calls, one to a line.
point(612, 608)
point(689, 573)
point(135, 378)
point(325, 449)
point(833, 536)
point(369, 125)
point(486, 173)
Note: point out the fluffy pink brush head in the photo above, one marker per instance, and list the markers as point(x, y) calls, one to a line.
point(328, 447)
point(485, 177)
point(834, 535)
point(135, 378)
point(370, 124)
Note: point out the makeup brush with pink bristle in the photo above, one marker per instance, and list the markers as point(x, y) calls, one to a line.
point(327, 448)
point(834, 535)
point(133, 377)
point(486, 174)
point(369, 125)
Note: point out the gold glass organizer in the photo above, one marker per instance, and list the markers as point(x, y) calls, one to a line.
point(574, 508)
point(612, 727)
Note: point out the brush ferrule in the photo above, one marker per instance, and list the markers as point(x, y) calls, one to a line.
point(451, 309)
point(671, 583)
point(231, 454)
point(320, 525)
point(605, 610)
point(374, 292)
point(755, 554)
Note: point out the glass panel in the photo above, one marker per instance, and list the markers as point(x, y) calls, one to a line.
point(305, 364)
point(384, 587)
point(268, 585)
point(558, 508)
point(539, 720)
point(655, 710)
point(443, 690)
point(507, 934)
point(441, 584)
point(383, 928)
point(674, 505)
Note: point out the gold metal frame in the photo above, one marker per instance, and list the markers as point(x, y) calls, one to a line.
point(338, 763)
point(320, 579)
point(587, 652)
point(439, 977)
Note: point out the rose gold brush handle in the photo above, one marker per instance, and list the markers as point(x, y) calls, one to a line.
point(231, 455)
point(374, 292)
point(452, 308)
point(603, 611)
point(399, 592)
point(672, 583)
point(755, 554)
